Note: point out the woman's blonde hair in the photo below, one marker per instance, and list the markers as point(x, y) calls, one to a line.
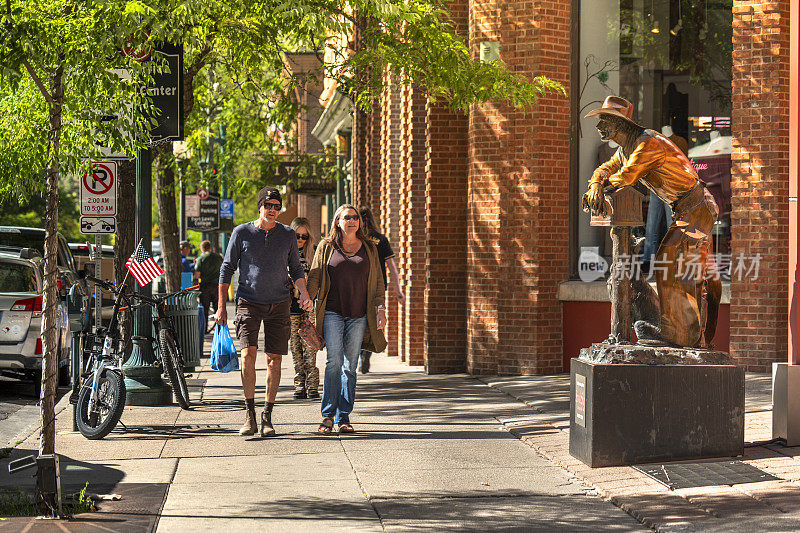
point(303, 222)
point(335, 235)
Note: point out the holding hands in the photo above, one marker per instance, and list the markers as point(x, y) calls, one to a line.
point(305, 302)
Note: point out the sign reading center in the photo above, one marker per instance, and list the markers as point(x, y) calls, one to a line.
point(99, 190)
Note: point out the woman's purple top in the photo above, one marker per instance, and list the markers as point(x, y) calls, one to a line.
point(348, 290)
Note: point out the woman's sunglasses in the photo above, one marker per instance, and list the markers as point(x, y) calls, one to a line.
point(303, 236)
point(350, 217)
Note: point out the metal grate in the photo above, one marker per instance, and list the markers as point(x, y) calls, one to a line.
point(704, 474)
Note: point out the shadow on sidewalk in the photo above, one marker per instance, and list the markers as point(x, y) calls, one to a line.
point(444, 511)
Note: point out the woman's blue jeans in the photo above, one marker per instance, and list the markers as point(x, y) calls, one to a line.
point(343, 338)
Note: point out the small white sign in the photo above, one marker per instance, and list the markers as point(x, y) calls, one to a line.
point(98, 225)
point(99, 190)
point(192, 205)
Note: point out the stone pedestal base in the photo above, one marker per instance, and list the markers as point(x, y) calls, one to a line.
point(622, 414)
point(786, 402)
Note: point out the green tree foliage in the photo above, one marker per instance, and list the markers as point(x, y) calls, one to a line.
point(31, 212)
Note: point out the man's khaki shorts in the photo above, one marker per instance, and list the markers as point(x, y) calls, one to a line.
point(277, 325)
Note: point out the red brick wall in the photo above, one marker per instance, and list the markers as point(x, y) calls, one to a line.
point(446, 258)
point(759, 180)
point(373, 193)
point(361, 138)
point(517, 233)
point(390, 192)
point(447, 166)
point(412, 223)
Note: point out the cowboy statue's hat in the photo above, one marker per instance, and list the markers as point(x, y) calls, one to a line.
point(615, 106)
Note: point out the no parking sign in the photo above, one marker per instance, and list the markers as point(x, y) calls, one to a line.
point(99, 190)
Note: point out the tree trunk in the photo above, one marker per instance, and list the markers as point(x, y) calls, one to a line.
point(51, 296)
point(168, 217)
point(125, 240)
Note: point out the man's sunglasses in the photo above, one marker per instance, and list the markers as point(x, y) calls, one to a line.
point(303, 236)
point(350, 217)
point(270, 205)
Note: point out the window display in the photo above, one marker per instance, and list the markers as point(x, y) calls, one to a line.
point(672, 60)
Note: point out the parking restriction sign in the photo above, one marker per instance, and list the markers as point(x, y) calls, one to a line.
point(99, 190)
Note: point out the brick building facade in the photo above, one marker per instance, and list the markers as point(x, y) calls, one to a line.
point(481, 208)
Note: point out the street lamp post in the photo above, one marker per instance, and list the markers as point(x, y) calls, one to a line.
point(183, 154)
point(143, 381)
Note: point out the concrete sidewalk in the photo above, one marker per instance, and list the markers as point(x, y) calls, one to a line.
point(430, 453)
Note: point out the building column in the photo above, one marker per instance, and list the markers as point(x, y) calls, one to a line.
point(390, 193)
point(759, 182)
point(311, 207)
point(446, 170)
point(412, 224)
point(518, 194)
point(361, 145)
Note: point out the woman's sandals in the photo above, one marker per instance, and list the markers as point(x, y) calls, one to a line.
point(326, 427)
point(345, 427)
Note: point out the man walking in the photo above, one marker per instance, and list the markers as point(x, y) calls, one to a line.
point(262, 251)
point(186, 264)
point(206, 267)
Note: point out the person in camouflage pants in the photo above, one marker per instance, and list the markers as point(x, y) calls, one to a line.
point(306, 373)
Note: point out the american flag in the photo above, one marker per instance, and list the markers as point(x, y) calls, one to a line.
point(142, 266)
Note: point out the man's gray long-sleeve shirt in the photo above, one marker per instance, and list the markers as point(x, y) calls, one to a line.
point(262, 258)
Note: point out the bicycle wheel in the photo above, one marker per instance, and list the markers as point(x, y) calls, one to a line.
point(174, 367)
point(110, 402)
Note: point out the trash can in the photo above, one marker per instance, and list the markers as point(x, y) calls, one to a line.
point(183, 311)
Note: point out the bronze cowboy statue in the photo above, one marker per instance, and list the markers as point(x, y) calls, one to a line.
point(688, 301)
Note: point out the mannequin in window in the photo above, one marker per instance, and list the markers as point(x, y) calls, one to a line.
point(659, 216)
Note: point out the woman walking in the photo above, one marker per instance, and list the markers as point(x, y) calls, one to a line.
point(306, 374)
point(386, 257)
point(345, 278)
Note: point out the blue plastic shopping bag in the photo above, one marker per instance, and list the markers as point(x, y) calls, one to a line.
point(223, 353)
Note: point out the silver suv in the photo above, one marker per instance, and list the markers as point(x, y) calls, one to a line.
point(21, 296)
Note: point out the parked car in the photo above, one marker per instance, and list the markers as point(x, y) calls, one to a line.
point(15, 238)
point(21, 297)
point(80, 252)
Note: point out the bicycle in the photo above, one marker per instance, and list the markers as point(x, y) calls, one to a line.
point(101, 399)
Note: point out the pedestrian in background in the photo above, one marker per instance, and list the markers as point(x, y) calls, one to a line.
point(306, 373)
point(346, 282)
point(206, 269)
point(386, 256)
point(186, 263)
point(262, 250)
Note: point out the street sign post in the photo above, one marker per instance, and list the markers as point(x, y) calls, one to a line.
point(208, 220)
point(99, 190)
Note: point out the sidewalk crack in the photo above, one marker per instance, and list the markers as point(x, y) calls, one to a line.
point(361, 486)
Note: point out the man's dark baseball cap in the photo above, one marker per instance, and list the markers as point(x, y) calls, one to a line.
point(268, 193)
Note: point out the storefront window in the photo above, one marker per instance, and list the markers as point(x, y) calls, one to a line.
point(673, 61)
